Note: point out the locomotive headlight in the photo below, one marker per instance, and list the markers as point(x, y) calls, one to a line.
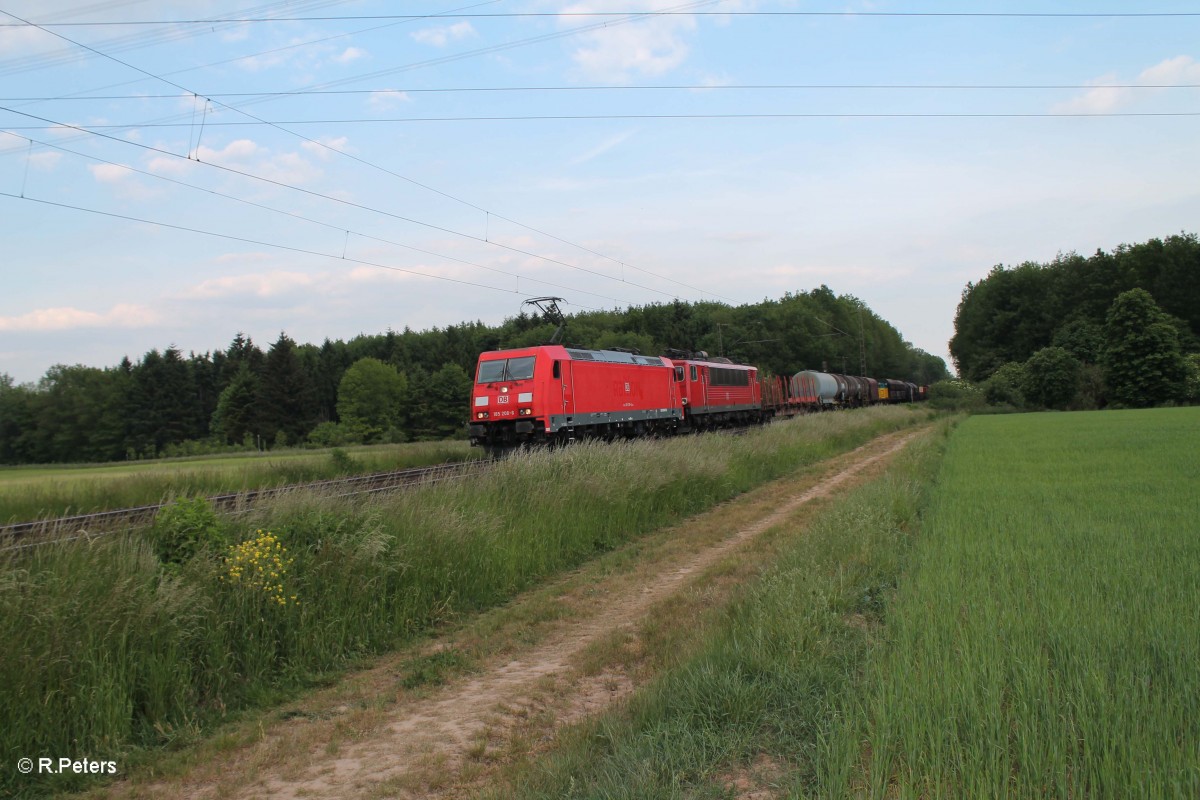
point(525, 412)
point(481, 415)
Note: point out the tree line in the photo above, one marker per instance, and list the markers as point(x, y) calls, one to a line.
point(400, 386)
point(1113, 329)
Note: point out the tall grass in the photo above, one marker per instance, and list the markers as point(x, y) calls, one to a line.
point(1046, 642)
point(28, 493)
point(108, 652)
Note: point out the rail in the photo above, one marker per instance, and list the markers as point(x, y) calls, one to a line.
point(17, 535)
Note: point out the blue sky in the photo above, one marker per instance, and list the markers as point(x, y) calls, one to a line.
point(326, 222)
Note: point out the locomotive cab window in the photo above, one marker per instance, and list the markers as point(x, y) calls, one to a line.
point(557, 369)
point(507, 369)
point(679, 373)
point(693, 368)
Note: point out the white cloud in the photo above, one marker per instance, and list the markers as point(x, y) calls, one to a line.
point(1104, 97)
point(442, 36)
point(247, 155)
point(45, 160)
point(649, 46)
point(234, 151)
point(322, 146)
point(66, 318)
point(22, 40)
point(236, 34)
point(714, 81)
point(350, 54)
point(109, 173)
point(66, 129)
point(366, 274)
point(262, 284)
point(123, 181)
point(169, 165)
point(387, 100)
point(1101, 99)
point(1173, 71)
point(289, 168)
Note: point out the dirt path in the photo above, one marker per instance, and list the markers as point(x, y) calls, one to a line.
point(439, 743)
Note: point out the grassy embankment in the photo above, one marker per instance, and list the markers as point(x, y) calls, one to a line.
point(109, 653)
point(28, 493)
point(1041, 639)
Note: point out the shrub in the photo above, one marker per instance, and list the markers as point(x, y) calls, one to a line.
point(958, 395)
point(183, 528)
point(1003, 388)
point(343, 462)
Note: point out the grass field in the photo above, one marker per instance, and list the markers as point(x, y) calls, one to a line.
point(28, 493)
point(1020, 621)
point(110, 653)
point(1046, 639)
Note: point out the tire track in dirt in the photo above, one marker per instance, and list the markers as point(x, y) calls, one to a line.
point(434, 745)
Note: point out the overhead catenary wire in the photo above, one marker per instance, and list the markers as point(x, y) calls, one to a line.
point(627, 88)
point(365, 162)
point(128, 42)
point(344, 201)
point(663, 13)
point(273, 51)
point(591, 117)
point(331, 226)
point(260, 243)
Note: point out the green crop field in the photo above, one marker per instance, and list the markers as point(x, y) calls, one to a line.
point(1012, 612)
point(1047, 636)
point(28, 493)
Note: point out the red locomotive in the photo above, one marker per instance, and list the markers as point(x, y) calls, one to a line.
point(715, 392)
point(551, 393)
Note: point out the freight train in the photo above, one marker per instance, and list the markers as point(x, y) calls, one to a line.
point(553, 394)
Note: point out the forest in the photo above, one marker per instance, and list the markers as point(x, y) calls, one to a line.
point(1112, 329)
point(401, 386)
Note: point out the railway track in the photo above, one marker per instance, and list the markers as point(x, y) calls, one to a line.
point(21, 535)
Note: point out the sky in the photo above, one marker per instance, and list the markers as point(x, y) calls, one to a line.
point(173, 173)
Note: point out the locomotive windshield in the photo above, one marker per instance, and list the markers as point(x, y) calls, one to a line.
point(505, 369)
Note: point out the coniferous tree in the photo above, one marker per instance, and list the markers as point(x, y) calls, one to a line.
point(449, 394)
point(15, 417)
point(237, 412)
point(164, 404)
point(288, 397)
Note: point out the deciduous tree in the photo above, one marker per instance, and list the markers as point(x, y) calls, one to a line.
point(1143, 364)
point(1051, 378)
point(371, 399)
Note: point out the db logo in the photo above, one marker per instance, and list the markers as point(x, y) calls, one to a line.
point(502, 398)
